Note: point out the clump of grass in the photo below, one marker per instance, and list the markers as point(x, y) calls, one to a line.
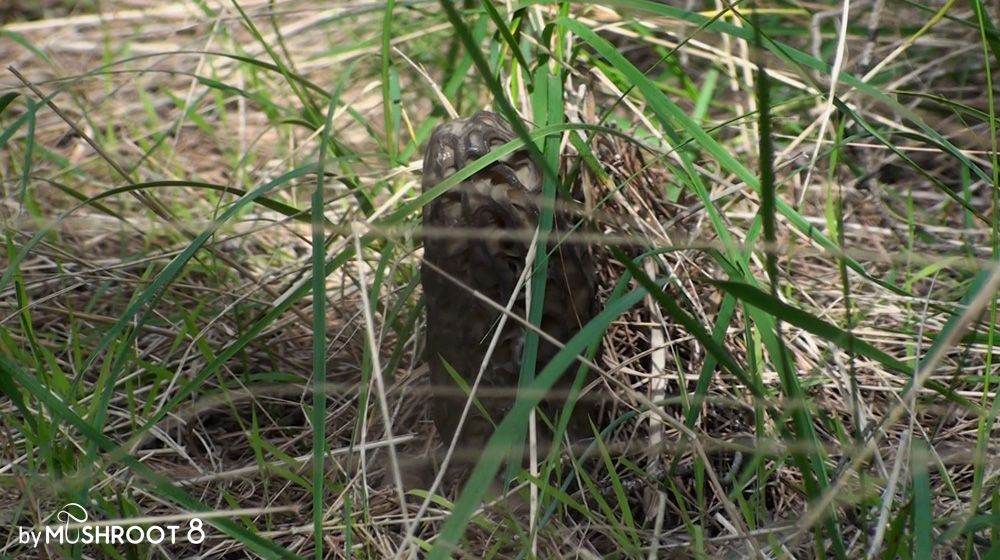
point(810, 316)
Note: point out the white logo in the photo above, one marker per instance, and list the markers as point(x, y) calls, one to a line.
point(107, 532)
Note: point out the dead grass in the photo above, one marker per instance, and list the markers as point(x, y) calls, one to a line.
point(157, 324)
